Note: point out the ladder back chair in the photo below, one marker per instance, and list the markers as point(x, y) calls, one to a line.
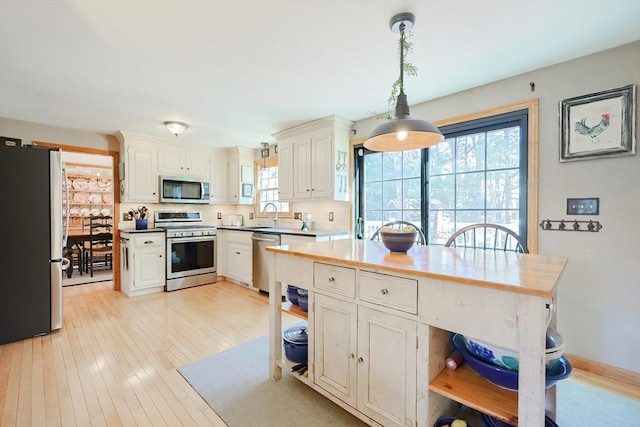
point(487, 236)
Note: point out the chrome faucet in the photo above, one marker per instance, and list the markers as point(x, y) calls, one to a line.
point(275, 208)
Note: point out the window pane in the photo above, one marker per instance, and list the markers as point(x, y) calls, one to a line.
point(391, 195)
point(470, 190)
point(503, 148)
point(373, 196)
point(373, 167)
point(411, 191)
point(464, 218)
point(442, 192)
point(411, 164)
point(503, 189)
point(441, 226)
point(392, 165)
point(441, 158)
point(470, 153)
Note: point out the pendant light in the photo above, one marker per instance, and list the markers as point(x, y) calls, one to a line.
point(403, 132)
point(176, 128)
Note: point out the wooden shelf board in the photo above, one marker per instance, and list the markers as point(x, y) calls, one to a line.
point(294, 310)
point(465, 386)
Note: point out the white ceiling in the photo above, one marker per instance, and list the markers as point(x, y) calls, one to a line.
point(238, 71)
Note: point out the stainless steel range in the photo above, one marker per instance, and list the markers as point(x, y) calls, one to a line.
point(191, 249)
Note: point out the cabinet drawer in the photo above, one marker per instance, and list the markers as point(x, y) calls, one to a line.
point(242, 237)
point(339, 280)
point(389, 291)
point(148, 240)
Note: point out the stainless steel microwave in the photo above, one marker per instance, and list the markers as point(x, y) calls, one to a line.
point(183, 189)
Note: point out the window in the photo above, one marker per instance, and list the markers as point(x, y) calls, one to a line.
point(479, 173)
point(267, 188)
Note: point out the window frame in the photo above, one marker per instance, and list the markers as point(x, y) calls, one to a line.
point(267, 163)
point(531, 106)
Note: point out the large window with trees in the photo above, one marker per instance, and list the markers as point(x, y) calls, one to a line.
point(479, 173)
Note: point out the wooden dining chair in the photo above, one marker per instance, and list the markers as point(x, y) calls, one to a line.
point(487, 236)
point(420, 238)
point(99, 247)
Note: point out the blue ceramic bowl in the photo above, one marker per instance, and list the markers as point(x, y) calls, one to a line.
point(398, 241)
point(507, 378)
point(303, 302)
point(488, 421)
point(292, 294)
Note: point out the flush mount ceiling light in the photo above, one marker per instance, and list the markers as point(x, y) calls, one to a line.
point(176, 128)
point(403, 132)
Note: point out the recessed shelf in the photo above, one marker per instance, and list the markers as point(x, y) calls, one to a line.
point(465, 386)
point(294, 310)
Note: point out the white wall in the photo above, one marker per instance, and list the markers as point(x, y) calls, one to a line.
point(599, 292)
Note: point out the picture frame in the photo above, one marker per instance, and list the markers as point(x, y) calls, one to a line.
point(598, 125)
point(247, 190)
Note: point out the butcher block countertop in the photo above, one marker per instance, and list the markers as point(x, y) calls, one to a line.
point(528, 274)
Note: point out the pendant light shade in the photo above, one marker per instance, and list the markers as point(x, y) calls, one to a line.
point(403, 132)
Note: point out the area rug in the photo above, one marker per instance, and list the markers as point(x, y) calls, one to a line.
point(236, 385)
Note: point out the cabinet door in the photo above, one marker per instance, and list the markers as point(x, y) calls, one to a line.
point(222, 252)
point(171, 162)
point(386, 367)
point(302, 169)
point(148, 268)
point(240, 263)
point(322, 170)
point(197, 164)
point(285, 171)
point(142, 176)
point(335, 347)
point(218, 185)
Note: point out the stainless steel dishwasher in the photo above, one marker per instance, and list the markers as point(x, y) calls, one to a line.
point(260, 267)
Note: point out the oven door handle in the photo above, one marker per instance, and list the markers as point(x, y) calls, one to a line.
point(190, 239)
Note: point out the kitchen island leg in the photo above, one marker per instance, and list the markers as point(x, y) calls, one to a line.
point(275, 320)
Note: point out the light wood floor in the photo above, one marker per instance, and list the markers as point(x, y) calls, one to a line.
point(114, 361)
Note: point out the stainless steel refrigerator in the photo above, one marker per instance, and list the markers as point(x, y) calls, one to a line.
point(31, 242)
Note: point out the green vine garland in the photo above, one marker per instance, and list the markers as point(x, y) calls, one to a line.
point(409, 70)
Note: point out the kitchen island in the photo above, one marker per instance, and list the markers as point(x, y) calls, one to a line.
point(380, 326)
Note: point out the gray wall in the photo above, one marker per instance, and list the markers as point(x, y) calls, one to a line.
point(599, 292)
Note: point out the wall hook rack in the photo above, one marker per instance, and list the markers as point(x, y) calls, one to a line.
point(568, 225)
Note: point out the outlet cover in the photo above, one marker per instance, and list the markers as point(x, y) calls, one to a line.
point(330, 216)
point(219, 215)
point(589, 206)
point(297, 215)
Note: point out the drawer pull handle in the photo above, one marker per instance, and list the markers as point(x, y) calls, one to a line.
point(351, 355)
point(148, 242)
point(332, 279)
point(384, 291)
point(360, 360)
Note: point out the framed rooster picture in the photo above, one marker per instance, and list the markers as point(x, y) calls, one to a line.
point(598, 125)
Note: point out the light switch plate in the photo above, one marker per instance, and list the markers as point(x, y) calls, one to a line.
point(587, 206)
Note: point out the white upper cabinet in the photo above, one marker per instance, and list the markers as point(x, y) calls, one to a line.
point(218, 178)
point(240, 175)
point(194, 162)
point(139, 172)
point(313, 160)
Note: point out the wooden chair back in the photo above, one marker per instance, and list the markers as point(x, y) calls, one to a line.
point(488, 236)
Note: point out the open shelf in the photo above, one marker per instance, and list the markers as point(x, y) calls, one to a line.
point(465, 386)
point(294, 310)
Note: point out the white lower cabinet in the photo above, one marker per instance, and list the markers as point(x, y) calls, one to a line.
point(235, 260)
point(143, 263)
point(366, 358)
